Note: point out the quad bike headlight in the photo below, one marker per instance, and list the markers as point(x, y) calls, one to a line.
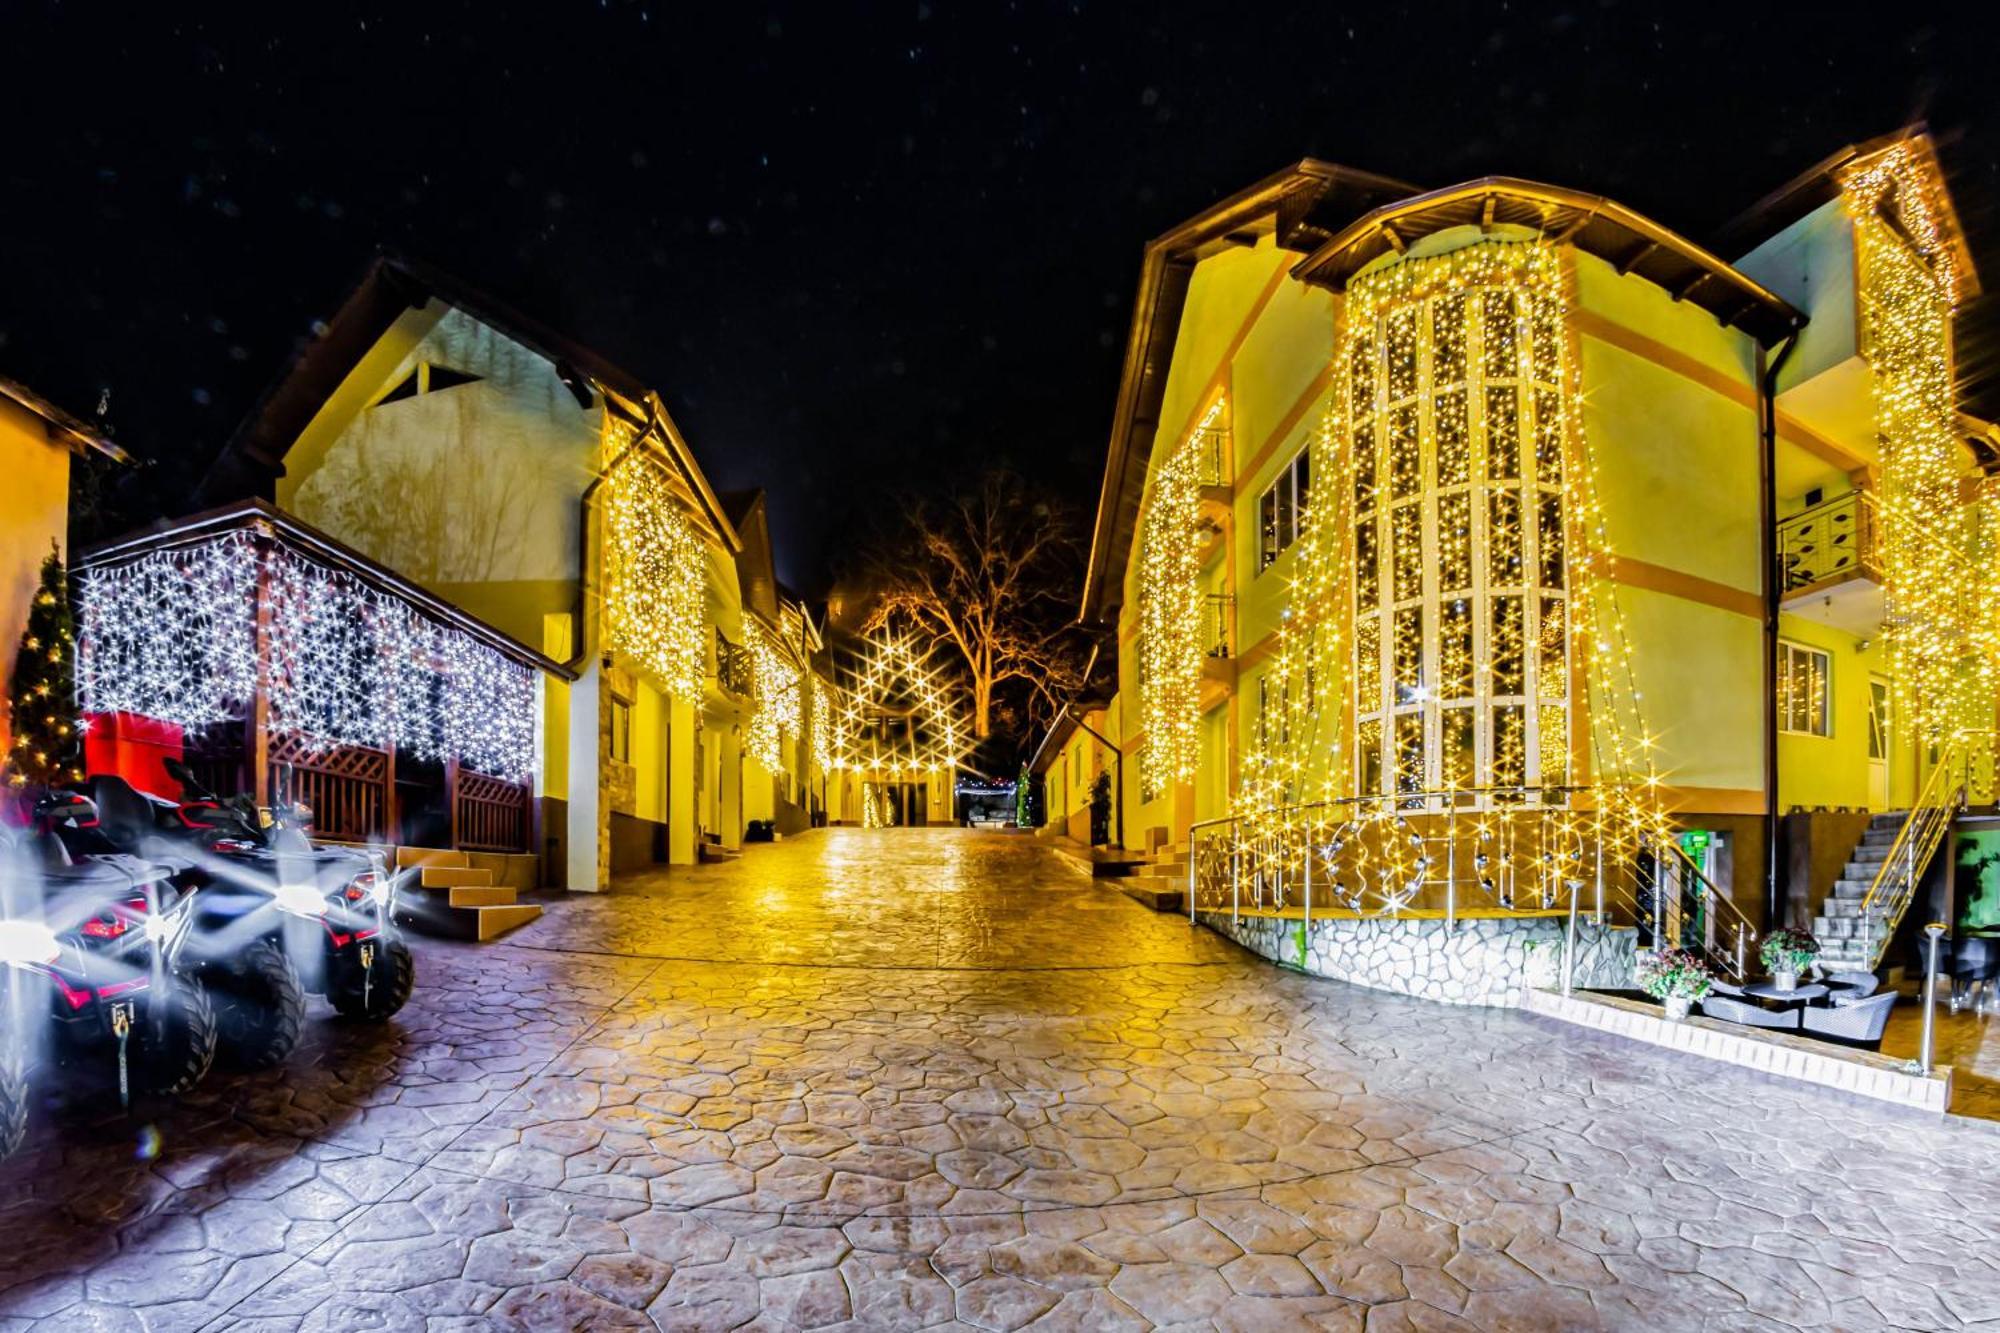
point(27, 944)
point(300, 900)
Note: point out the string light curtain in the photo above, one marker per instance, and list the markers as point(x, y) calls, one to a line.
point(775, 719)
point(655, 599)
point(1940, 559)
point(1170, 612)
point(173, 635)
point(1454, 578)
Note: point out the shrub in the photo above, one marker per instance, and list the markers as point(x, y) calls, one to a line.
point(1674, 972)
point(1788, 950)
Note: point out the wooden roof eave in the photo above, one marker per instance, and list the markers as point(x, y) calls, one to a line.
point(1627, 240)
point(1277, 204)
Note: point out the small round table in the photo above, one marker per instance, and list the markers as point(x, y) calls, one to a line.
point(1802, 994)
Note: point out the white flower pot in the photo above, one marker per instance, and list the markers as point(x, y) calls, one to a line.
point(1677, 1007)
point(1785, 980)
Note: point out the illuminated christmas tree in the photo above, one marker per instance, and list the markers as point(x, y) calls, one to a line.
point(48, 738)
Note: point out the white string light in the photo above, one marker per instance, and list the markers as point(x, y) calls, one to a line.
point(172, 635)
point(775, 719)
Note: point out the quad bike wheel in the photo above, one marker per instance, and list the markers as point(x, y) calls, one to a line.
point(180, 1039)
point(13, 1087)
point(260, 1007)
point(373, 994)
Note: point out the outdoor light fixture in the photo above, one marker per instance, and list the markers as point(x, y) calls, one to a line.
point(27, 944)
point(300, 900)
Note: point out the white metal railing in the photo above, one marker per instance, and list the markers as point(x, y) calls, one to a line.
point(1833, 539)
point(1515, 850)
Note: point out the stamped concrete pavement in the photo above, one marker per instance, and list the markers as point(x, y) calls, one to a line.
point(911, 1078)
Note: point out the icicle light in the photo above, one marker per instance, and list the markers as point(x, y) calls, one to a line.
point(1940, 559)
point(775, 719)
point(655, 596)
point(1170, 612)
point(173, 635)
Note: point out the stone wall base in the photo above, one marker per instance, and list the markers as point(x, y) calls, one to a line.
point(1478, 960)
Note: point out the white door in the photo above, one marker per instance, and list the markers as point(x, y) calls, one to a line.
point(1878, 743)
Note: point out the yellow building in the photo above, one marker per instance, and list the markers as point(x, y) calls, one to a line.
point(528, 483)
point(37, 441)
point(1427, 506)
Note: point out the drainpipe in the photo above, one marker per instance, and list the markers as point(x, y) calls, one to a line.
point(1774, 593)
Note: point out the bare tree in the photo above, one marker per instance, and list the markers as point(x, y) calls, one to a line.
point(991, 574)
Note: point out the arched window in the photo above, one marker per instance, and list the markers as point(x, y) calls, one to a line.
point(1461, 646)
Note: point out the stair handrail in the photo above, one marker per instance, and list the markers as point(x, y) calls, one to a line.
point(1739, 924)
point(1895, 884)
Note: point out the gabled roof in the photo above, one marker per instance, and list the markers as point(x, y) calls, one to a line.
point(1823, 181)
point(253, 458)
point(1631, 242)
point(77, 434)
point(1301, 206)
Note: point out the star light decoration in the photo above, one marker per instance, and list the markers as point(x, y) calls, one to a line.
point(777, 681)
point(1939, 554)
point(173, 635)
point(1171, 543)
point(1509, 481)
point(895, 711)
point(655, 598)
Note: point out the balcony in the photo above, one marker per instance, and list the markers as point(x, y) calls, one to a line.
point(732, 667)
point(1827, 555)
point(1218, 657)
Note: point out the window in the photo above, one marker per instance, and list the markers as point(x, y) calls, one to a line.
point(1878, 718)
point(426, 378)
point(1281, 511)
point(1461, 610)
point(621, 730)
point(1803, 676)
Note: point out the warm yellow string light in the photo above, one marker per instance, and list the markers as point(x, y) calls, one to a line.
point(655, 568)
point(774, 719)
point(1170, 611)
point(1940, 565)
point(1455, 409)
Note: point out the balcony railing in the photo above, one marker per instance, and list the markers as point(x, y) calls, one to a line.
point(1218, 624)
point(1536, 851)
point(1207, 444)
point(1830, 542)
point(732, 667)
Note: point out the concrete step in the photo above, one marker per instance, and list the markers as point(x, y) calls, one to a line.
point(1850, 888)
point(453, 877)
point(1160, 899)
point(715, 853)
point(1841, 907)
point(477, 895)
point(493, 922)
point(429, 856)
point(518, 870)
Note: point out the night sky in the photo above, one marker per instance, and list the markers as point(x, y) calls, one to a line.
point(855, 248)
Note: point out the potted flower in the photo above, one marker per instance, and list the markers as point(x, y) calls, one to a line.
point(1676, 978)
point(1786, 953)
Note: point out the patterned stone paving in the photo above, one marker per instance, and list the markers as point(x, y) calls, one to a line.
point(910, 1078)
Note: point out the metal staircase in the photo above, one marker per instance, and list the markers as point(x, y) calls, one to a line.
point(1909, 854)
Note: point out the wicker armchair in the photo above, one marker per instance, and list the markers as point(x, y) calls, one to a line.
point(1859, 984)
point(1749, 1015)
point(1858, 1024)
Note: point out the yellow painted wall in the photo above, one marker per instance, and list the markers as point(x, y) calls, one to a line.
point(649, 753)
point(472, 491)
point(1832, 770)
point(34, 513)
